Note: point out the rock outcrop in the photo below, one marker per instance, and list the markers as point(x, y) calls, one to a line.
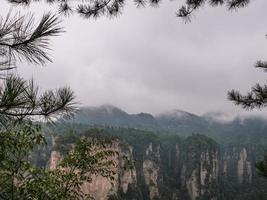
point(189, 170)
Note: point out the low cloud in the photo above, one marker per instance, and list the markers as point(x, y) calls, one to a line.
point(147, 60)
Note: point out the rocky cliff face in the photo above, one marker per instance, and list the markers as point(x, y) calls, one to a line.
point(202, 180)
point(151, 170)
point(238, 163)
point(102, 188)
point(200, 168)
point(191, 169)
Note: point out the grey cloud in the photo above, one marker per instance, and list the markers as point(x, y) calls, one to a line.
point(148, 60)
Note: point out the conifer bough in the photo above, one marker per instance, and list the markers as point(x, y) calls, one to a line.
point(23, 40)
point(97, 8)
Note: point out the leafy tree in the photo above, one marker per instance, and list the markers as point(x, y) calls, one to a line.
point(90, 157)
point(20, 180)
point(21, 106)
point(15, 169)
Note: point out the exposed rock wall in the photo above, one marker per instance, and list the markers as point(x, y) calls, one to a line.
point(151, 170)
point(195, 170)
point(54, 160)
point(200, 174)
point(241, 165)
point(192, 185)
point(237, 163)
point(100, 188)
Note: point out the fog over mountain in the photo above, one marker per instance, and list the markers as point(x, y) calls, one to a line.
point(244, 129)
point(148, 60)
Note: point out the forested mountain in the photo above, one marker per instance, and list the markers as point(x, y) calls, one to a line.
point(239, 130)
point(108, 115)
point(153, 166)
point(175, 155)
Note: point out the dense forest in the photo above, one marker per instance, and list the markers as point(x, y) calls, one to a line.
point(156, 164)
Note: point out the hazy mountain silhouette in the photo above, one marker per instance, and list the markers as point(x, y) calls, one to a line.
point(178, 122)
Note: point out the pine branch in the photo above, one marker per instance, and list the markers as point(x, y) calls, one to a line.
point(190, 6)
point(20, 99)
point(20, 39)
point(256, 98)
point(235, 4)
point(108, 7)
point(97, 8)
point(262, 65)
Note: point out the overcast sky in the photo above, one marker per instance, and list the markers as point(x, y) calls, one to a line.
point(148, 60)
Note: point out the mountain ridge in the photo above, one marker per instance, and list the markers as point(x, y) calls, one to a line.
point(182, 123)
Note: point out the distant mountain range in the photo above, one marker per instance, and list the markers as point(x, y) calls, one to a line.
point(244, 130)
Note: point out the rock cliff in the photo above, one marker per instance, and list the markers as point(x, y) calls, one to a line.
point(190, 169)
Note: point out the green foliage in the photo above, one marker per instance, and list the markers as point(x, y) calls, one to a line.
point(199, 143)
point(89, 157)
point(15, 168)
point(196, 145)
point(239, 131)
point(19, 179)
